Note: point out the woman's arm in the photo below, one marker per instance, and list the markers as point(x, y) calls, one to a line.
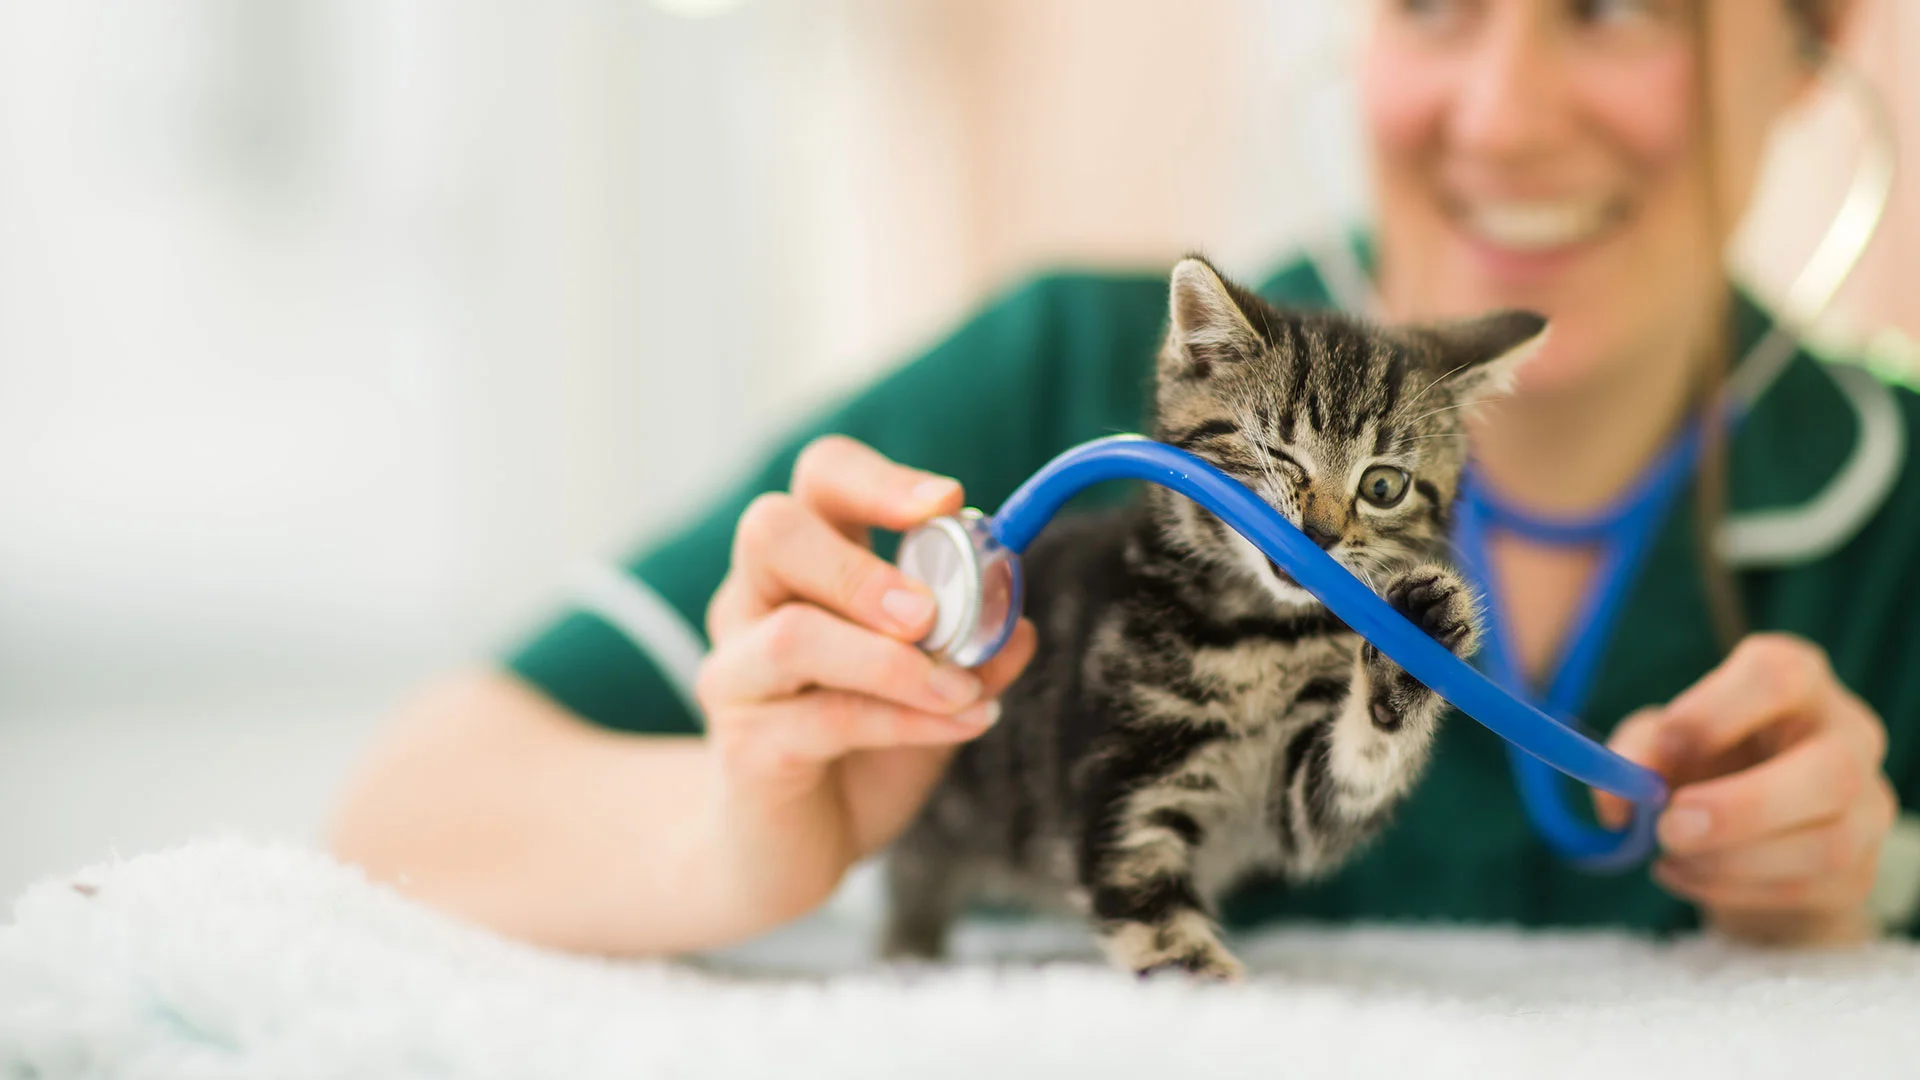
point(825, 729)
point(486, 800)
point(514, 799)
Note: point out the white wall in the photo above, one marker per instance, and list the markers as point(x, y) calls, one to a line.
point(330, 335)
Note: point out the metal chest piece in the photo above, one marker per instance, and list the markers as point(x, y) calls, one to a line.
point(977, 583)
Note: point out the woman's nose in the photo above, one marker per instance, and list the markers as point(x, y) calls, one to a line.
point(1509, 95)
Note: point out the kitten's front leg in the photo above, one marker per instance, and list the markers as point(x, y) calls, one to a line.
point(1438, 601)
point(1139, 877)
point(1347, 773)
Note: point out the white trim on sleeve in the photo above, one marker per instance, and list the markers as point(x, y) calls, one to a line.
point(632, 607)
point(1896, 889)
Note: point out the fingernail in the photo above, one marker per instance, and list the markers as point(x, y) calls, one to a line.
point(907, 607)
point(953, 684)
point(932, 491)
point(982, 716)
point(1685, 825)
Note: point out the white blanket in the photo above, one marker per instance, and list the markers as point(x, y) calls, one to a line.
point(229, 959)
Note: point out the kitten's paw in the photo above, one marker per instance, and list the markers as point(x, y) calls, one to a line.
point(1209, 963)
point(1186, 946)
point(1437, 600)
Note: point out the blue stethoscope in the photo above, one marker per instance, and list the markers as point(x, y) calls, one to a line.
point(972, 565)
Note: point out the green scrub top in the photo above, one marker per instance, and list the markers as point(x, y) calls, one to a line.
point(1823, 533)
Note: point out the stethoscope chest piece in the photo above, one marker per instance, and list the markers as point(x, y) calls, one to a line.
point(977, 582)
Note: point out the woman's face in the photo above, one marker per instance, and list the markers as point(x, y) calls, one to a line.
point(1550, 155)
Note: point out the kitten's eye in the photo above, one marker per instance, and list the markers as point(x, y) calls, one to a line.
point(1384, 485)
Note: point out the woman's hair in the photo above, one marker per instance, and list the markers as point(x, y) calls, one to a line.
point(1812, 21)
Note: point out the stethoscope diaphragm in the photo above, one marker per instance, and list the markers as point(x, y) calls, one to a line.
point(976, 581)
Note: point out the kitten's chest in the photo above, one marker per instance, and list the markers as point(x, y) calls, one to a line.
point(1259, 686)
point(1266, 714)
point(1241, 832)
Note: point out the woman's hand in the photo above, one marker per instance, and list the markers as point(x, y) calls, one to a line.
point(827, 726)
point(1779, 805)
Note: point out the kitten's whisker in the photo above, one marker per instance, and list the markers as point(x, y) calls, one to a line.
point(1441, 409)
point(1360, 571)
point(1265, 459)
point(1429, 387)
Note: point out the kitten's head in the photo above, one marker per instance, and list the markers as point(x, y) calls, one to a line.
point(1354, 432)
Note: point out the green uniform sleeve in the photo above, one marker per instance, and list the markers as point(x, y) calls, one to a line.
point(1060, 359)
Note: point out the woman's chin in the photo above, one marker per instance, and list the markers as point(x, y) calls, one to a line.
point(1566, 367)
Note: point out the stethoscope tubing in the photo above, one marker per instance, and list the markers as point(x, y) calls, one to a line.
point(1127, 457)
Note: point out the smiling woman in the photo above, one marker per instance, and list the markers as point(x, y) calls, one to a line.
point(1582, 159)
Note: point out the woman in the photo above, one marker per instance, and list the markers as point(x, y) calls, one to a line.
point(1583, 158)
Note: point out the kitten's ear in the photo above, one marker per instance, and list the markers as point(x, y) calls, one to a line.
point(1480, 357)
point(1208, 323)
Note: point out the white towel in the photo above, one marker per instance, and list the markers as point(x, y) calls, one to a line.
point(229, 959)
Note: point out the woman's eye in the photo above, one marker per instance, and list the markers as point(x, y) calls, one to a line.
point(1431, 12)
point(1384, 485)
point(1603, 11)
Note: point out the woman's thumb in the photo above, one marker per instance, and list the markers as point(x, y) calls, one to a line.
point(1637, 738)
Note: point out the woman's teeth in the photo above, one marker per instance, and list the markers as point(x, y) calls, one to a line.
point(1536, 226)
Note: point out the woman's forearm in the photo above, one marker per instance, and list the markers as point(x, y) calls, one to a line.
point(489, 802)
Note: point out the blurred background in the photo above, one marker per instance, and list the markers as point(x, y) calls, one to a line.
point(335, 335)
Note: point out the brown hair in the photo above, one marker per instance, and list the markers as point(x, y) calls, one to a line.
point(1724, 605)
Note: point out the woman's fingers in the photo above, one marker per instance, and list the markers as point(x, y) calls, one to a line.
point(1843, 890)
point(1768, 680)
point(1638, 738)
point(827, 724)
point(854, 487)
point(1816, 850)
point(812, 544)
point(823, 725)
point(1811, 781)
point(800, 646)
point(1779, 807)
point(783, 551)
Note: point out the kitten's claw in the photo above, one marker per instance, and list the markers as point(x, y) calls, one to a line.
point(1151, 952)
point(1202, 965)
point(1436, 600)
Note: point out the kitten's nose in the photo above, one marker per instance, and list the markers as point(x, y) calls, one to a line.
point(1319, 533)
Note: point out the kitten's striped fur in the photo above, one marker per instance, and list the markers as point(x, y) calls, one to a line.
point(1192, 718)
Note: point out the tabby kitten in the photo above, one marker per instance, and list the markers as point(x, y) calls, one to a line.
point(1193, 716)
